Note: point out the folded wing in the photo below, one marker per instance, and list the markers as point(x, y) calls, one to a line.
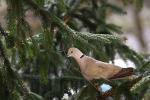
point(123, 73)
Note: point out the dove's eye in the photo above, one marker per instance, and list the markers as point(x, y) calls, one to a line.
point(71, 51)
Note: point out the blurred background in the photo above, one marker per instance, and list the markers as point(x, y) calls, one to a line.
point(41, 59)
point(135, 24)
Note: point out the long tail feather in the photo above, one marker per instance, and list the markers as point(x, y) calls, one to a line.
point(123, 73)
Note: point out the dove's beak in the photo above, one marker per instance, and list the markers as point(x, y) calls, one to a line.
point(68, 56)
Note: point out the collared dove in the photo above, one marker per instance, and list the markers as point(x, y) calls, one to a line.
point(95, 69)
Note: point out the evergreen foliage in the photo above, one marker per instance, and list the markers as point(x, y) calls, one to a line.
point(39, 60)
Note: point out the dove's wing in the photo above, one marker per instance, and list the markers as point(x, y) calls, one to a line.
point(109, 70)
point(123, 73)
point(94, 69)
point(116, 71)
point(97, 69)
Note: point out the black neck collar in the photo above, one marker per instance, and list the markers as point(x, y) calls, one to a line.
point(82, 56)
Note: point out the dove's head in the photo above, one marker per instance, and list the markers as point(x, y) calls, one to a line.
point(74, 52)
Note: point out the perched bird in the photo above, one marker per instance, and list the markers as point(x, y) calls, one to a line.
point(95, 69)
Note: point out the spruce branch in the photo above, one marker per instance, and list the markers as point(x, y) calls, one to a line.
point(3, 32)
point(104, 38)
point(83, 38)
point(140, 84)
point(13, 77)
point(81, 35)
point(27, 76)
point(127, 52)
point(86, 37)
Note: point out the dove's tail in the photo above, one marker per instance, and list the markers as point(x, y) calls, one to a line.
point(123, 73)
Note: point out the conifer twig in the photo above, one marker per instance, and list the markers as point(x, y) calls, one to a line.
point(7, 64)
